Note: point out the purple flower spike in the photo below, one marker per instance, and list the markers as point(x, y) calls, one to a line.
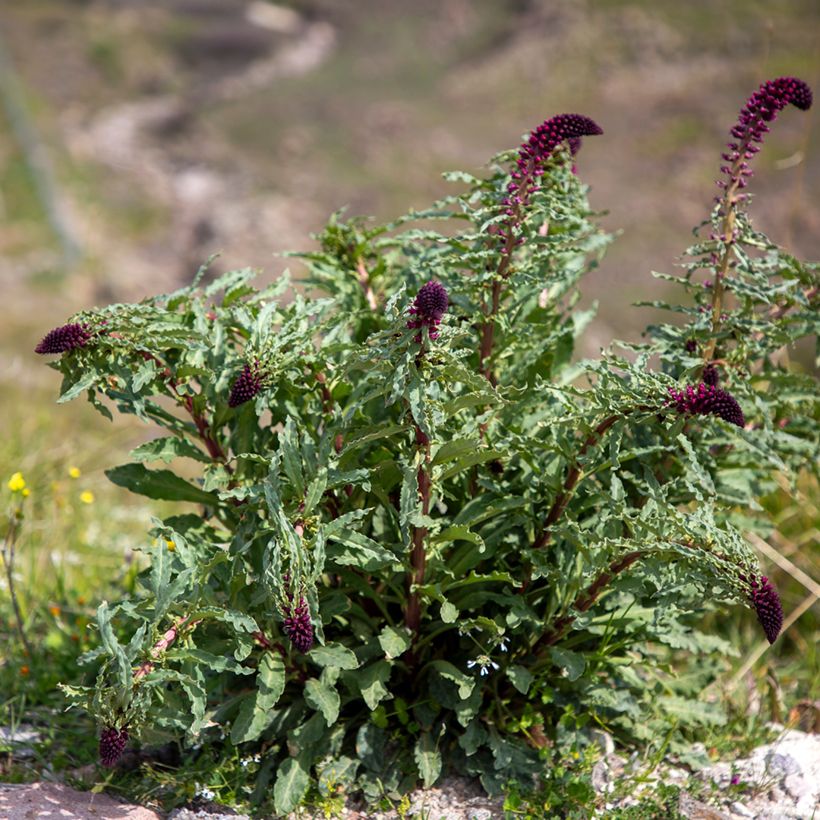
point(429, 306)
point(64, 338)
point(112, 745)
point(246, 386)
point(706, 399)
point(767, 605)
point(751, 127)
point(298, 627)
point(535, 152)
point(711, 375)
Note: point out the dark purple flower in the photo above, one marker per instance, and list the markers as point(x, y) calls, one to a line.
point(761, 108)
point(767, 605)
point(691, 346)
point(298, 627)
point(112, 745)
point(248, 383)
point(711, 375)
point(429, 306)
point(706, 399)
point(535, 152)
point(65, 338)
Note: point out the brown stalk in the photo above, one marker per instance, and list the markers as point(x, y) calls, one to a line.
point(587, 598)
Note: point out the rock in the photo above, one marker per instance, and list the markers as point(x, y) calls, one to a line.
point(203, 814)
point(743, 811)
point(29, 800)
point(695, 810)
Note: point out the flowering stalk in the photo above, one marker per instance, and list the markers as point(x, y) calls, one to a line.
point(588, 597)
point(706, 399)
point(766, 603)
point(761, 108)
point(418, 556)
point(112, 744)
point(531, 162)
point(572, 477)
point(65, 338)
point(162, 645)
point(247, 384)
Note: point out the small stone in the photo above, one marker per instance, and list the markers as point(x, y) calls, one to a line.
point(797, 786)
point(738, 808)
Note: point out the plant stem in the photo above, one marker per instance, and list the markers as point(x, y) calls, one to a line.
point(364, 281)
point(572, 477)
point(491, 311)
point(727, 230)
point(587, 598)
point(8, 564)
point(418, 557)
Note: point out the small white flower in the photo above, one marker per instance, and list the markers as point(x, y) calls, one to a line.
point(204, 792)
point(502, 644)
point(471, 664)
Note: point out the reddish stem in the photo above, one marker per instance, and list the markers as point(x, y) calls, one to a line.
point(162, 646)
point(588, 597)
point(573, 474)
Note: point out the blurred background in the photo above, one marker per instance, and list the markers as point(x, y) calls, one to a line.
point(139, 136)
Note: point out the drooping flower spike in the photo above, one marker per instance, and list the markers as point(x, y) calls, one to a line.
point(752, 124)
point(766, 602)
point(428, 308)
point(248, 383)
point(64, 338)
point(535, 152)
point(112, 745)
point(706, 399)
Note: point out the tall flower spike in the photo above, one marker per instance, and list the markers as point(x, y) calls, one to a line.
point(429, 306)
point(65, 338)
point(706, 399)
point(112, 745)
point(248, 383)
point(766, 602)
point(298, 627)
point(535, 152)
point(752, 124)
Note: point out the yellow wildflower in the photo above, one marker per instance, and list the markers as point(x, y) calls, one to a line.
point(74, 472)
point(87, 497)
point(55, 611)
point(17, 483)
point(26, 492)
point(171, 545)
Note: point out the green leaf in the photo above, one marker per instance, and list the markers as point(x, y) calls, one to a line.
point(394, 641)
point(338, 772)
point(316, 490)
point(256, 711)
point(449, 672)
point(449, 613)
point(292, 782)
point(572, 663)
point(161, 484)
point(167, 449)
point(72, 390)
point(521, 678)
point(353, 549)
point(324, 699)
point(334, 655)
point(371, 681)
point(428, 759)
point(292, 455)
